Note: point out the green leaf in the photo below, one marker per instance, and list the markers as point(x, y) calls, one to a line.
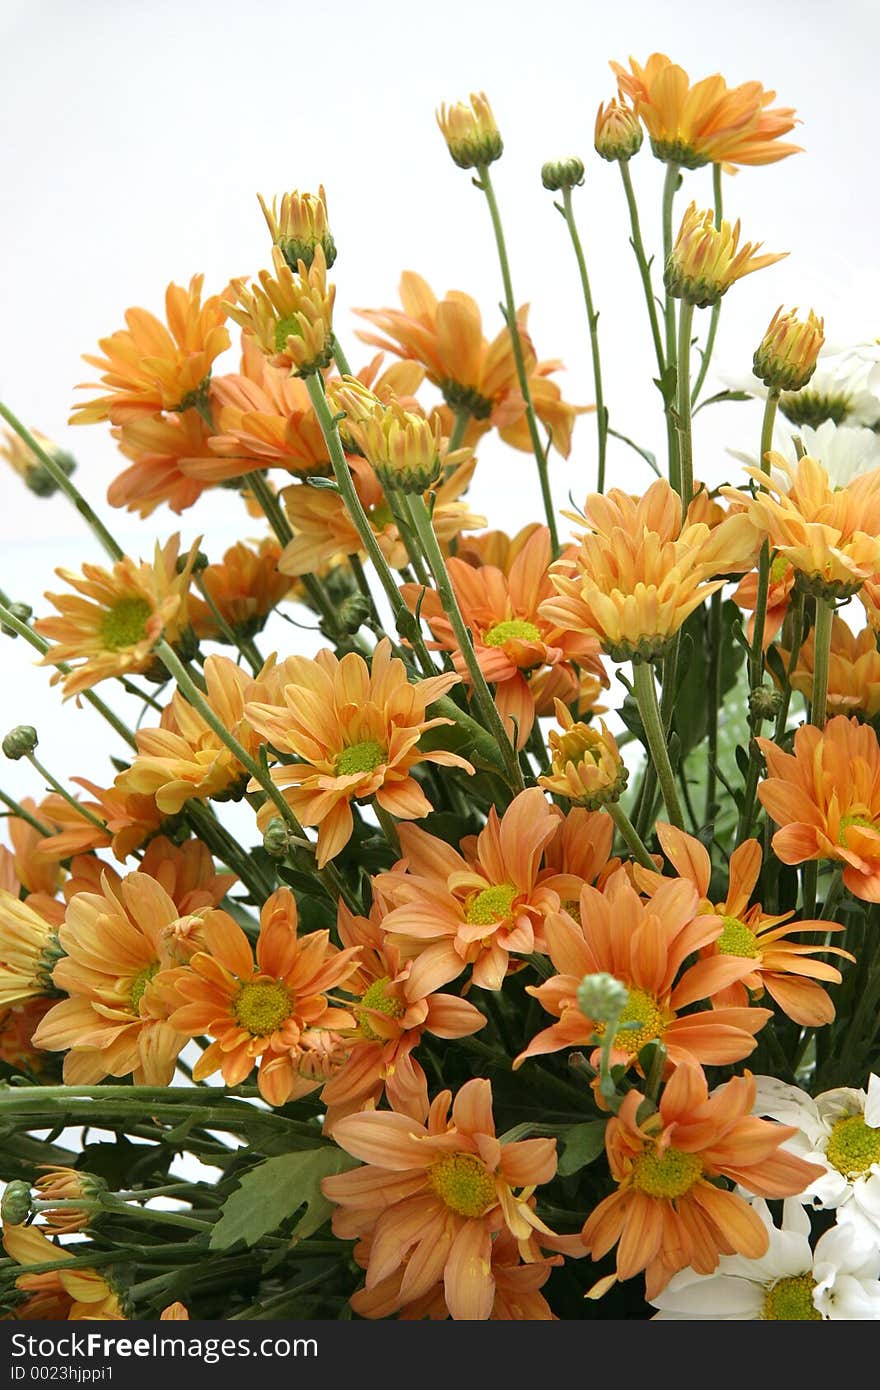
point(582, 1143)
point(274, 1191)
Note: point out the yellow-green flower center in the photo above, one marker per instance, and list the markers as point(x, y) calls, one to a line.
point(261, 1008)
point(736, 939)
point(512, 629)
point(671, 1173)
point(139, 984)
point(865, 822)
point(464, 1183)
point(853, 1146)
point(491, 905)
point(125, 624)
point(360, 757)
point(286, 328)
point(377, 998)
point(791, 1300)
point(642, 1009)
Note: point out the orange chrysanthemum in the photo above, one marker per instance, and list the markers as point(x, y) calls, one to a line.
point(28, 951)
point(640, 571)
point(274, 1011)
point(706, 260)
point(35, 868)
point(129, 820)
point(245, 588)
point(73, 1294)
point(669, 1212)
point(168, 453)
point(392, 1014)
point(707, 122)
point(512, 639)
point(781, 967)
point(434, 1197)
point(475, 376)
point(830, 535)
point(324, 533)
point(826, 798)
point(17, 1027)
point(451, 910)
point(289, 314)
point(148, 367)
point(495, 548)
point(354, 730)
point(113, 622)
point(853, 670)
point(645, 947)
point(778, 597)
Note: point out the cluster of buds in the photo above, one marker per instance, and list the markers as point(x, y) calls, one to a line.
point(30, 467)
point(586, 765)
point(787, 355)
point(290, 314)
point(618, 134)
point(706, 260)
point(470, 132)
point(404, 448)
point(299, 226)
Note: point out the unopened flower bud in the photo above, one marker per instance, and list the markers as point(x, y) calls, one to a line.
point(299, 226)
point(352, 613)
point(586, 764)
point(20, 741)
point(68, 1185)
point(403, 447)
point(706, 260)
point(30, 466)
point(470, 132)
point(290, 315)
point(618, 135)
point(786, 357)
point(562, 173)
point(276, 838)
point(195, 565)
point(23, 612)
point(15, 1204)
point(764, 703)
point(601, 997)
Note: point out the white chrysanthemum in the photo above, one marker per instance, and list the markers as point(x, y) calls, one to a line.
point(844, 451)
point(839, 1280)
point(840, 1130)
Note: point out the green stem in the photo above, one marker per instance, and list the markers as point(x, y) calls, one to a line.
point(21, 814)
point(340, 358)
point(797, 632)
point(643, 264)
point(593, 323)
point(683, 424)
point(63, 483)
point(230, 636)
point(627, 830)
point(492, 720)
point(716, 307)
point(821, 655)
point(713, 680)
point(274, 513)
point(646, 696)
point(485, 183)
point(459, 429)
point(669, 190)
point(62, 792)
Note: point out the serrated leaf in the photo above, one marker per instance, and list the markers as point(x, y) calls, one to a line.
point(274, 1191)
point(581, 1144)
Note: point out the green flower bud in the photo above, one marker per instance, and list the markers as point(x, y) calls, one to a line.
point(20, 741)
point(601, 997)
point(562, 173)
point(15, 1204)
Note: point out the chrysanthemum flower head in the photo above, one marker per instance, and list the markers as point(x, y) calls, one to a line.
point(669, 1212)
point(470, 132)
point(66, 1185)
point(28, 952)
point(150, 367)
point(29, 467)
point(244, 587)
point(787, 354)
point(405, 448)
point(707, 121)
point(74, 1293)
point(290, 314)
point(853, 670)
point(706, 260)
point(168, 454)
point(114, 620)
point(354, 730)
point(586, 766)
point(618, 135)
point(271, 1012)
point(299, 225)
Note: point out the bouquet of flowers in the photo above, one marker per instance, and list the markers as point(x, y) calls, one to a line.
point(516, 953)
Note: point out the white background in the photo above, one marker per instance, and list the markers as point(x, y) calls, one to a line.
point(135, 138)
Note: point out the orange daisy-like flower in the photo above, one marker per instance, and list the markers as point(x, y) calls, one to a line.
point(669, 1212)
point(149, 367)
point(781, 967)
point(782, 579)
point(826, 798)
point(432, 1197)
point(495, 548)
point(512, 639)
point(475, 376)
point(451, 910)
point(707, 121)
point(28, 951)
point(830, 535)
point(274, 1011)
point(354, 730)
point(113, 622)
point(289, 314)
point(853, 670)
point(167, 453)
point(392, 1014)
point(33, 866)
point(129, 820)
point(324, 533)
point(640, 571)
point(706, 260)
point(245, 587)
point(586, 766)
point(73, 1294)
point(114, 1021)
point(17, 1027)
point(645, 947)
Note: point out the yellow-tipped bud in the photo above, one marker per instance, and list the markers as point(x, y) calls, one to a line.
point(586, 764)
point(786, 358)
point(68, 1185)
point(618, 134)
point(562, 173)
point(299, 226)
point(290, 315)
point(404, 448)
point(706, 260)
point(29, 467)
point(470, 132)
